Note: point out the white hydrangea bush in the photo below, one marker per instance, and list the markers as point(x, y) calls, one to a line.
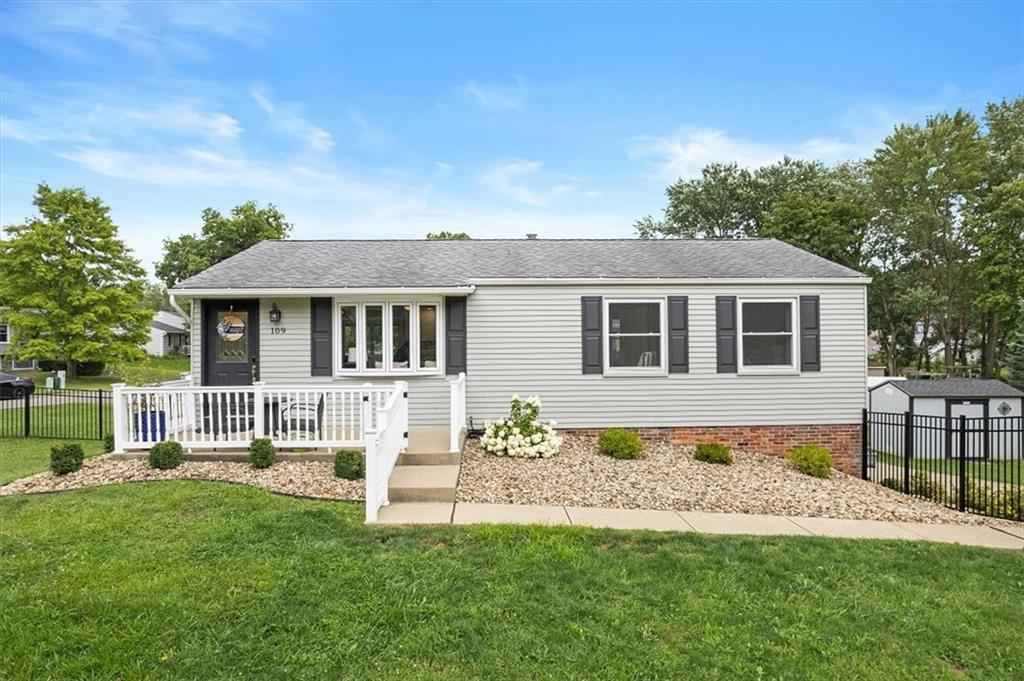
point(521, 433)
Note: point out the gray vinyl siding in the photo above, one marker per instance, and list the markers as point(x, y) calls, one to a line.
point(196, 358)
point(527, 340)
point(285, 360)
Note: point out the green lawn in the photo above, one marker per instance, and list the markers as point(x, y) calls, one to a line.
point(20, 457)
point(158, 369)
point(1004, 470)
point(76, 420)
point(194, 580)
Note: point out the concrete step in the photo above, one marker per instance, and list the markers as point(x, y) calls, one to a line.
point(423, 483)
point(430, 459)
point(428, 439)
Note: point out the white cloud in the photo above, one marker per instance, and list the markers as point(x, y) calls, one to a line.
point(518, 179)
point(442, 169)
point(146, 28)
point(494, 97)
point(287, 118)
point(684, 153)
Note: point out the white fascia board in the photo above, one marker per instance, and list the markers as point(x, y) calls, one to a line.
point(705, 281)
point(320, 292)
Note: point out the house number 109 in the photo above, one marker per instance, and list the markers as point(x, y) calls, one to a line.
point(277, 329)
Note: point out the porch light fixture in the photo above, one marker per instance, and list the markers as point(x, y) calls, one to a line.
point(275, 314)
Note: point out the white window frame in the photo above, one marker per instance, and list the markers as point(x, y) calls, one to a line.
point(660, 370)
point(7, 332)
point(414, 337)
point(792, 367)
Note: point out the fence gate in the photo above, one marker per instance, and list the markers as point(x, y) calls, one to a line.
point(60, 414)
point(972, 464)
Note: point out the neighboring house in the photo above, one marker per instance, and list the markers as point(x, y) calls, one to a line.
point(751, 342)
point(168, 335)
point(6, 337)
point(941, 402)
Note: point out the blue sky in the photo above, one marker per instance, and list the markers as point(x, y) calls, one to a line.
point(365, 121)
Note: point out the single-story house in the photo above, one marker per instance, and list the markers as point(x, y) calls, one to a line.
point(754, 343)
point(6, 336)
point(992, 410)
point(168, 335)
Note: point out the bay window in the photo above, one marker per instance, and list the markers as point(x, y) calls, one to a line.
point(399, 337)
point(634, 336)
point(766, 337)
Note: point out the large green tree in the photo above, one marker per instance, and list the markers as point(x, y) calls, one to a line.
point(70, 285)
point(927, 180)
point(445, 235)
point(220, 238)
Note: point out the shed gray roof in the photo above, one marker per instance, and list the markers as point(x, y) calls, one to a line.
point(954, 387)
point(422, 263)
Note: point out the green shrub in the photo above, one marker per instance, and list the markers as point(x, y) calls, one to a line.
point(262, 453)
point(1006, 503)
point(811, 460)
point(892, 483)
point(348, 464)
point(165, 455)
point(713, 452)
point(620, 443)
point(922, 485)
point(108, 443)
point(66, 458)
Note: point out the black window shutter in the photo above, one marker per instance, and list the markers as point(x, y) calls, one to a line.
point(810, 333)
point(678, 335)
point(725, 323)
point(321, 350)
point(454, 334)
point(592, 345)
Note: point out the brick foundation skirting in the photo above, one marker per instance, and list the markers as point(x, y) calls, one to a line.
point(842, 439)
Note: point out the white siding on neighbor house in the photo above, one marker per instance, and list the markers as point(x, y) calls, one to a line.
point(936, 406)
point(527, 340)
point(157, 342)
point(285, 360)
point(889, 399)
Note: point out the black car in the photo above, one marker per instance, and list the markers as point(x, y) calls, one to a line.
point(12, 387)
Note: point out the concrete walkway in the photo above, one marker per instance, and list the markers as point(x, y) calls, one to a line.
point(695, 521)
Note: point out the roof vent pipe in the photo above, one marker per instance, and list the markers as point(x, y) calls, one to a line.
point(531, 236)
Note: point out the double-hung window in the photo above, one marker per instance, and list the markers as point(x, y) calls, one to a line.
point(4, 333)
point(767, 342)
point(388, 336)
point(634, 336)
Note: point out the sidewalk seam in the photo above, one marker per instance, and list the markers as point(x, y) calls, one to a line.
point(805, 529)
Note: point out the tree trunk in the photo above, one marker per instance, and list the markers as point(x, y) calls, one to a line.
point(989, 359)
point(72, 368)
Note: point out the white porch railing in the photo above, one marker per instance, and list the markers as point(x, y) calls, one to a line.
point(457, 397)
point(385, 441)
point(201, 417)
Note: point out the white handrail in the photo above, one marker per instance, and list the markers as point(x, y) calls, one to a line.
point(206, 417)
point(457, 412)
point(384, 443)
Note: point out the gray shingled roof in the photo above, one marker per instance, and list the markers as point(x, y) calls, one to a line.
point(955, 387)
point(421, 263)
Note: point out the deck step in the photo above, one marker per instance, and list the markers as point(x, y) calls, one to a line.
point(430, 459)
point(423, 483)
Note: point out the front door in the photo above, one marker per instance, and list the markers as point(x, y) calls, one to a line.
point(231, 342)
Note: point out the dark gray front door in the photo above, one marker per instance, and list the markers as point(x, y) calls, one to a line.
point(231, 342)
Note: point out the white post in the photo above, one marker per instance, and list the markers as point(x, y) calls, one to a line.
point(119, 414)
point(372, 503)
point(259, 427)
point(367, 411)
point(457, 411)
point(403, 411)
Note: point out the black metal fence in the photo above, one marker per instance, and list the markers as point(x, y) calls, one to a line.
point(61, 414)
point(969, 464)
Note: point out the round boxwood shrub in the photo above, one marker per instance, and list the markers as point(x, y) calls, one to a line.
point(713, 452)
point(620, 443)
point(165, 455)
point(348, 464)
point(262, 453)
point(811, 460)
point(66, 458)
point(108, 443)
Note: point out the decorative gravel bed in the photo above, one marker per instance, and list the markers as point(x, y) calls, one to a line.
point(314, 479)
point(669, 478)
